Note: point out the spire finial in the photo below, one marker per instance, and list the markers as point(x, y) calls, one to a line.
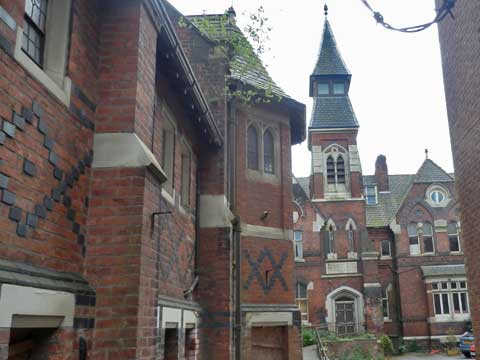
point(426, 153)
point(325, 10)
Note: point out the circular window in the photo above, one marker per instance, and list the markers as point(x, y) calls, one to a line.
point(437, 196)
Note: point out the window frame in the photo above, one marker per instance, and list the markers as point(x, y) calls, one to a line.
point(367, 195)
point(298, 244)
point(271, 157)
point(389, 255)
point(304, 300)
point(385, 302)
point(413, 236)
point(53, 72)
point(338, 82)
point(445, 292)
point(430, 236)
point(328, 88)
point(30, 25)
point(455, 235)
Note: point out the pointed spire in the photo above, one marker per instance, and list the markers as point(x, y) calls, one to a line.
point(426, 154)
point(325, 10)
point(329, 61)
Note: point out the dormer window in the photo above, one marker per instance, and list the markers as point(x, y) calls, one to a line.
point(323, 88)
point(338, 88)
point(371, 195)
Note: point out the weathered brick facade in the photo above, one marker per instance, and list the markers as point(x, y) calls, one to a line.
point(127, 201)
point(460, 47)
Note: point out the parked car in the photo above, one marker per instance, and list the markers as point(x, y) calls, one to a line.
point(466, 341)
point(473, 353)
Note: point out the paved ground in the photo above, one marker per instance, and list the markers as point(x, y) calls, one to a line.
point(427, 357)
point(310, 353)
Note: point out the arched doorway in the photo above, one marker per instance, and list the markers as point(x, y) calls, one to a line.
point(345, 311)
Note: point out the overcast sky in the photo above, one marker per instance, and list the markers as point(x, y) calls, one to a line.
point(397, 85)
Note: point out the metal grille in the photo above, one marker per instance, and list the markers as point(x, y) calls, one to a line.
point(33, 41)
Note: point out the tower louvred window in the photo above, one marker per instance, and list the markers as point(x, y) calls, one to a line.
point(330, 170)
point(340, 170)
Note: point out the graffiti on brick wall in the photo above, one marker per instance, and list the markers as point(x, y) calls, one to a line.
point(271, 276)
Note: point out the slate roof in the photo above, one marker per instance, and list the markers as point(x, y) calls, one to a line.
point(301, 187)
point(333, 112)
point(443, 270)
point(430, 172)
point(329, 61)
point(248, 69)
point(388, 202)
point(382, 213)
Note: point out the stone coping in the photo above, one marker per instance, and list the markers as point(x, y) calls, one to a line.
point(22, 274)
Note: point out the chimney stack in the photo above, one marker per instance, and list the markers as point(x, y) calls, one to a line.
point(381, 173)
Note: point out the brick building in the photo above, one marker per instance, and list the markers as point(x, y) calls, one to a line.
point(381, 253)
point(460, 47)
point(133, 219)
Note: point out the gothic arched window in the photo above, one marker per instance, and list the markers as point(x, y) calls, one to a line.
point(268, 152)
point(330, 170)
point(252, 140)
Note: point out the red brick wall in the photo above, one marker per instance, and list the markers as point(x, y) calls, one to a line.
point(460, 47)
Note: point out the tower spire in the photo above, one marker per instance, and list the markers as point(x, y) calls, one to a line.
point(325, 10)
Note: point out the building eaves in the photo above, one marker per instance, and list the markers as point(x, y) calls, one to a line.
point(167, 33)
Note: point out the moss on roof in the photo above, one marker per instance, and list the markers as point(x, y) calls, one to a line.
point(245, 65)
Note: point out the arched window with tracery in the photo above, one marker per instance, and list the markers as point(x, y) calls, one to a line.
point(252, 142)
point(268, 153)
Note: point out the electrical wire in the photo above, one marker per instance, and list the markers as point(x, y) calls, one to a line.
point(442, 12)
